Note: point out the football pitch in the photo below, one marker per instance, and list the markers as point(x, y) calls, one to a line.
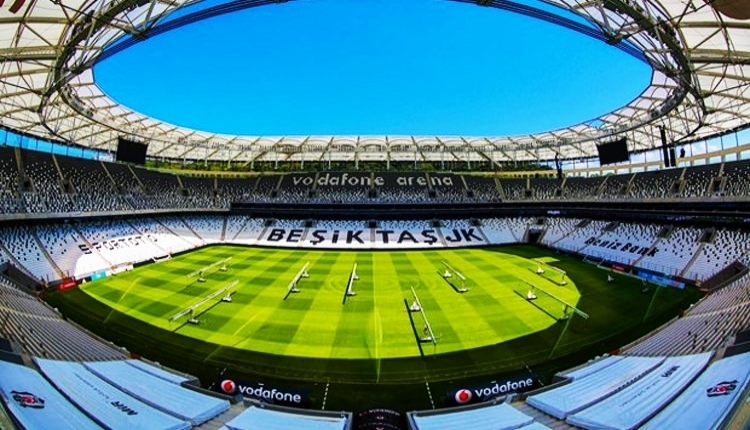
point(482, 302)
point(367, 351)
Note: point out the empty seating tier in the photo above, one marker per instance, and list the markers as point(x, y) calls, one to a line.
point(36, 404)
point(112, 407)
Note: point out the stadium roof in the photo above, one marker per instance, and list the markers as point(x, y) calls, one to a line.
point(699, 52)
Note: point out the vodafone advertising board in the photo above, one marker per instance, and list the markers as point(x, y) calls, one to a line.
point(267, 393)
point(482, 393)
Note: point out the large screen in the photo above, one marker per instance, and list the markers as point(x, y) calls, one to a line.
point(613, 152)
point(129, 151)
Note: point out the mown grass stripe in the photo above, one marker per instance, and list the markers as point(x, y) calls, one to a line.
point(313, 323)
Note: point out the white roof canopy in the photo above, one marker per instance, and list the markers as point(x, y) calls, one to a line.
point(699, 87)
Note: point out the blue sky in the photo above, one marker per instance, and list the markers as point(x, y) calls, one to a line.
point(372, 67)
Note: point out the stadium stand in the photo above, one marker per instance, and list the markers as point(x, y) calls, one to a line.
point(200, 191)
point(90, 187)
point(514, 188)
point(593, 388)
point(116, 241)
point(674, 252)
point(590, 367)
point(482, 188)
point(615, 186)
point(697, 332)
point(10, 202)
point(160, 236)
point(737, 178)
point(123, 178)
point(335, 234)
point(395, 190)
point(113, 408)
point(45, 336)
point(265, 236)
point(664, 392)
point(545, 188)
point(234, 224)
point(504, 230)
point(706, 326)
point(51, 250)
point(277, 418)
point(11, 297)
point(698, 180)
point(557, 228)
point(351, 187)
point(45, 193)
point(159, 372)
point(208, 228)
point(289, 223)
point(293, 189)
point(62, 245)
point(40, 332)
point(244, 230)
point(177, 227)
point(733, 294)
point(58, 184)
point(81, 248)
point(27, 251)
point(580, 188)
point(656, 184)
point(500, 416)
point(535, 426)
point(624, 242)
point(451, 189)
point(160, 191)
point(415, 229)
point(265, 188)
point(636, 403)
point(582, 236)
point(725, 247)
point(708, 401)
point(35, 404)
point(452, 230)
point(233, 190)
point(191, 406)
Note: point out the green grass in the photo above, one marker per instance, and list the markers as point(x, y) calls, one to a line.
point(374, 324)
point(366, 348)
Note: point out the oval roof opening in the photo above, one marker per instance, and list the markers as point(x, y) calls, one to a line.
point(373, 67)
